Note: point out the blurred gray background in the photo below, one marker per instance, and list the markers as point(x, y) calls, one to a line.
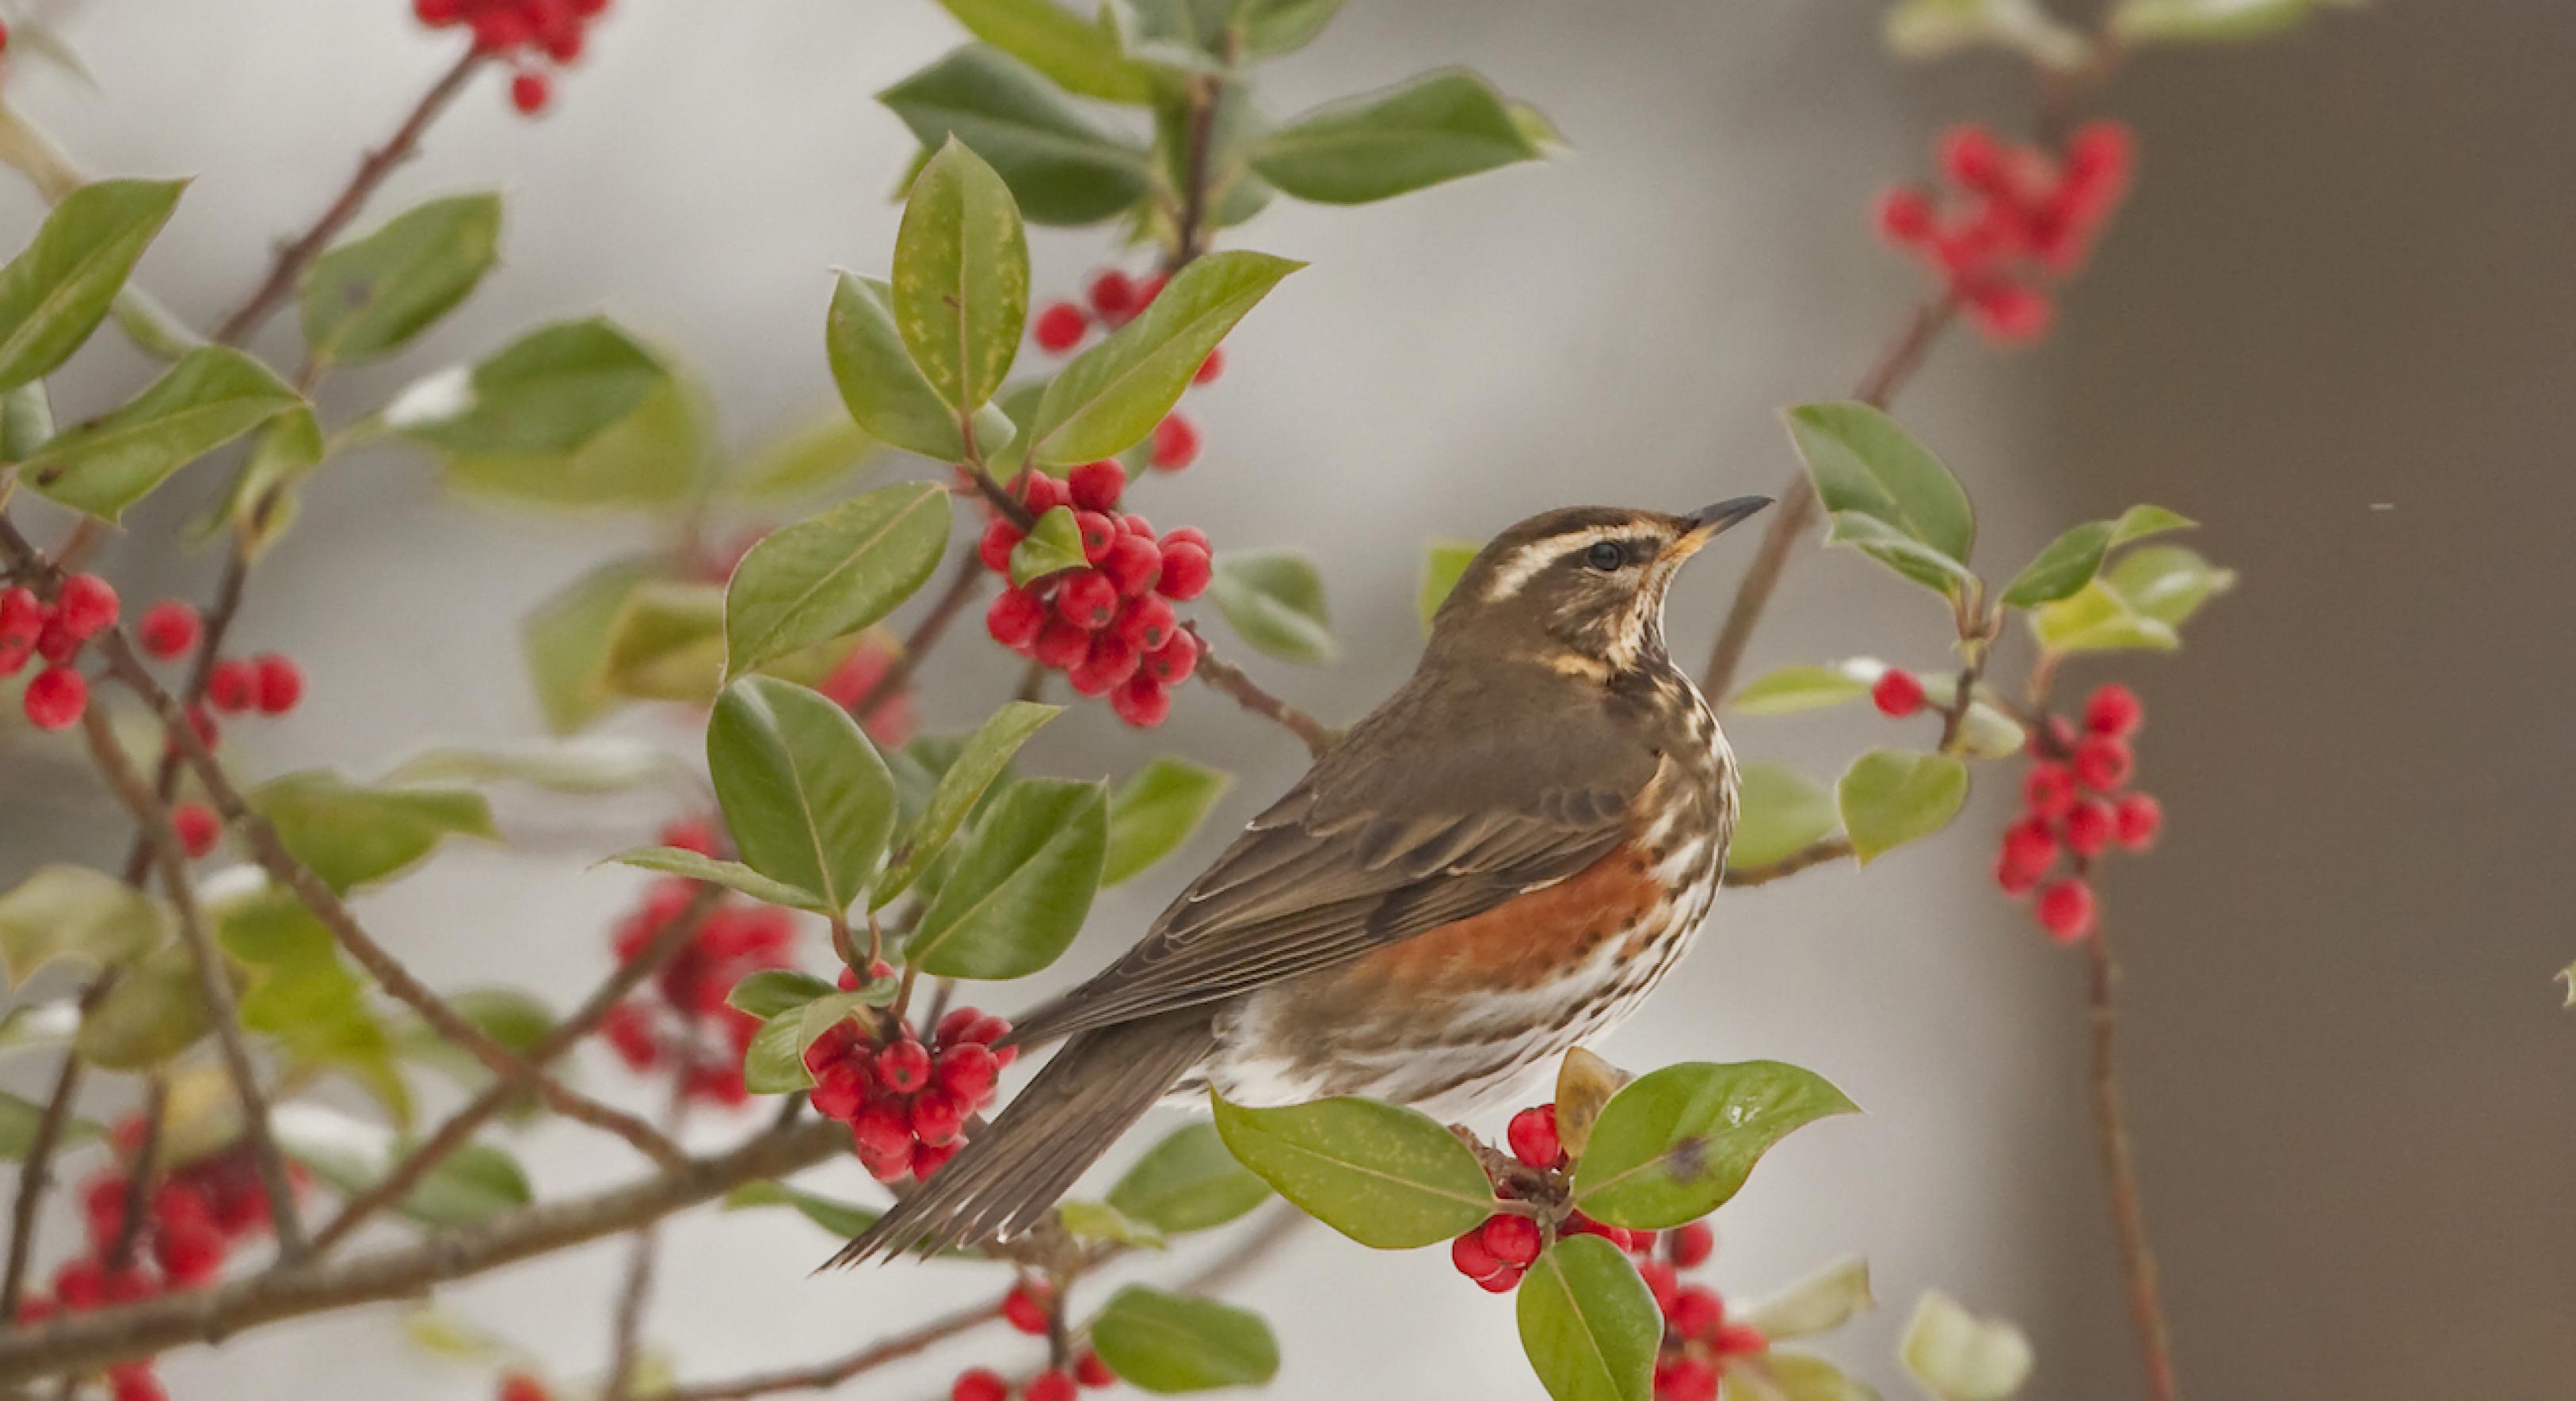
point(2337, 322)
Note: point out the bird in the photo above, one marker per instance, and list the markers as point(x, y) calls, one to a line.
point(1495, 865)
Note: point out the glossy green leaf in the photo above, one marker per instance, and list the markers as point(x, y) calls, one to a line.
point(18, 1121)
point(732, 875)
point(565, 644)
point(1188, 1182)
point(57, 290)
point(550, 391)
point(1022, 886)
point(1167, 1343)
point(960, 290)
point(1078, 55)
point(1819, 1303)
point(658, 454)
point(842, 1219)
point(808, 800)
point(774, 1062)
point(1588, 1323)
point(155, 1011)
point(1111, 396)
point(1796, 688)
point(1779, 812)
point(301, 994)
point(1889, 797)
point(1062, 167)
point(1864, 464)
point(884, 391)
point(1388, 1177)
point(1155, 811)
point(1958, 1356)
point(983, 760)
point(1442, 567)
point(209, 398)
point(26, 420)
point(1925, 29)
point(1275, 599)
point(2072, 559)
point(2212, 21)
point(473, 1184)
point(814, 455)
point(73, 912)
point(832, 574)
point(354, 834)
point(1274, 27)
point(1428, 129)
point(2141, 601)
point(1900, 552)
point(1052, 546)
point(1677, 1143)
point(1790, 1376)
point(770, 991)
point(666, 642)
point(368, 297)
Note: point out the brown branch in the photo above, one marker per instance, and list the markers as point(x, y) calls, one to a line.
point(372, 170)
point(822, 1376)
point(1815, 853)
point(89, 1341)
point(1228, 679)
point(35, 1174)
point(2120, 1176)
point(963, 582)
point(214, 977)
point(139, 1177)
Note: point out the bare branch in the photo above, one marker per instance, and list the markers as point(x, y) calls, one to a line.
point(1228, 679)
point(2120, 1176)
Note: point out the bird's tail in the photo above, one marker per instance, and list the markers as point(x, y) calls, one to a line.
point(1008, 1174)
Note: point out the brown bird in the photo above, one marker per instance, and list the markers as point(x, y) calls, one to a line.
point(1497, 864)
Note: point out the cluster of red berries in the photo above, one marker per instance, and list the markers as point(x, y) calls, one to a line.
point(2077, 803)
point(1699, 1338)
point(681, 1020)
point(1030, 1308)
point(1115, 297)
point(907, 1103)
point(269, 684)
point(197, 1214)
point(1500, 1250)
point(523, 31)
point(1108, 626)
point(2013, 216)
point(85, 606)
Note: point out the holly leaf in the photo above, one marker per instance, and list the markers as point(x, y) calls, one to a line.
point(2212, 21)
point(1111, 396)
point(1061, 166)
point(72, 912)
point(732, 875)
point(774, 1062)
point(1166, 1343)
point(550, 391)
point(1819, 1303)
point(1588, 1323)
point(1958, 1356)
point(1886, 492)
point(1275, 599)
point(356, 834)
point(1274, 27)
point(1442, 567)
point(581, 767)
point(1779, 813)
point(1022, 887)
point(304, 996)
point(1430, 128)
point(57, 290)
point(807, 799)
point(885, 392)
point(1075, 54)
point(1924, 29)
point(1388, 1177)
point(980, 763)
point(2140, 602)
point(961, 277)
point(2072, 559)
point(1889, 797)
point(370, 296)
point(212, 396)
point(657, 454)
point(565, 643)
point(1678, 1143)
point(832, 574)
point(155, 1011)
point(1052, 546)
point(815, 454)
point(1155, 811)
point(1796, 688)
point(770, 991)
point(1188, 1182)
point(475, 1183)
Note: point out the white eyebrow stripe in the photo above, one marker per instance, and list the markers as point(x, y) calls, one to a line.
point(1539, 554)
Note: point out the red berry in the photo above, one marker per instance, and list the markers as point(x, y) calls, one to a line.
point(2030, 846)
point(1146, 624)
point(1173, 662)
point(22, 615)
point(1089, 1370)
point(1060, 327)
point(1061, 644)
point(1904, 216)
point(1113, 295)
point(2102, 763)
point(56, 698)
point(1000, 538)
point(903, 1066)
point(56, 642)
point(1041, 493)
point(1176, 443)
point(190, 1253)
point(1697, 1313)
point(1025, 1308)
point(1504, 1280)
point(839, 1091)
point(1683, 1378)
point(1049, 1386)
point(1662, 1281)
point(1693, 1244)
point(1087, 599)
point(2008, 312)
point(1739, 1340)
point(519, 1386)
point(1133, 565)
point(2066, 910)
point(1533, 1137)
point(1096, 486)
point(169, 629)
point(197, 828)
point(2049, 791)
point(980, 1384)
point(1187, 569)
point(968, 1072)
point(2138, 818)
point(1210, 368)
point(1142, 701)
point(1897, 694)
point(1513, 1240)
point(529, 91)
point(928, 1158)
point(2090, 827)
point(881, 1129)
point(1098, 533)
point(1104, 667)
point(233, 686)
point(1015, 617)
point(937, 1116)
point(2114, 711)
point(80, 1285)
point(86, 605)
point(957, 1028)
point(281, 684)
point(135, 1382)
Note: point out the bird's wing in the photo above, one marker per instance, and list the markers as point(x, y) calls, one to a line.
point(1348, 862)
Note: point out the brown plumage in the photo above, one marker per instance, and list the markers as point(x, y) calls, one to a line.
point(1495, 864)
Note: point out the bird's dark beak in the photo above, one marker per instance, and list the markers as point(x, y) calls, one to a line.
point(1711, 520)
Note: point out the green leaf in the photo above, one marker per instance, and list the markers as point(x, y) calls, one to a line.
point(1430, 128)
point(658, 454)
point(984, 759)
point(26, 420)
point(1388, 1177)
point(1077, 55)
point(771, 991)
point(550, 391)
point(1889, 797)
point(807, 798)
point(1019, 892)
point(774, 1062)
point(1924, 29)
point(842, 1219)
point(1819, 1303)
point(1086, 1220)
point(1155, 811)
point(586, 767)
point(1442, 567)
point(2141, 601)
point(57, 290)
point(1958, 1356)
point(666, 642)
point(565, 643)
point(1864, 464)
point(1166, 1343)
point(516, 1019)
point(1111, 396)
point(370, 296)
point(1779, 812)
point(1677, 1143)
point(2211, 21)
point(353, 834)
point(1274, 27)
point(1188, 1182)
point(1275, 599)
point(1791, 1376)
point(260, 506)
point(1062, 167)
point(301, 993)
point(62, 911)
point(18, 1121)
point(1588, 1323)
point(2072, 559)
point(830, 575)
point(209, 398)
point(1795, 688)
point(154, 1012)
point(473, 1184)
point(732, 875)
point(961, 277)
point(1052, 546)
point(807, 458)
point(884, 391)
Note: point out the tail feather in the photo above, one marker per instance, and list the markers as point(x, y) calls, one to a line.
point(1008, 1175)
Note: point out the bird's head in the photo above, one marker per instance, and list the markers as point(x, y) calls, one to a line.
point(1580, 589)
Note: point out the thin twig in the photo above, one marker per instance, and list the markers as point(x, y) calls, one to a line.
point(822, 1376)
point(2120, 1176)
point(963, 582)
point(139, 1177)
point(626, 1329)
point(1815, 853)
point(35, 1174)
point(1228, 679)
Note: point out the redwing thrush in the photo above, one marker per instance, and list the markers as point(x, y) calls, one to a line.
point(1497, 864)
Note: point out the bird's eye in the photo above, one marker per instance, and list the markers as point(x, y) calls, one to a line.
point(1607, 556)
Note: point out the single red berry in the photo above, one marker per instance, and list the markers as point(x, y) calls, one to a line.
point(957, 1028)
point(56, 698)
point(1188, 535)
point(519, 1386)
point(1504, 1280)
point(1104, 667)
point(1513, 1240)
point(1692, 1244)
point(2066, 910)
point(2099, 157)
point(1142, 701)
point(1089, 1370)
point(928, 1158)
point(55, 642)
point(169, 629)
point(1186, 572)
point(2138, 818)
point(2102, 763)
point(1087, 599)
point(1061, 644)
point(1897, 694)
point(1684, 1378)
point(937, 1116)
point(2114, 710)
point(1025, 1307)
point(1135, 524)
point(2008, 312)
point(529, 91)
point(1113, 295)
point(1176, 443)
point(1041, 493)
point(190, 1253)
point(2049, 790)
point(2090, 827)
point(135, 1382)
point(2030, 845)
point(80, 1285)
point(1904, 216)
point(1662, 1281)
point(1150, 288)
point(1015, 617)
point(22, 615)
point(1049, 1386)
point(281, 684)
point(1739, 1340)
point(87, 606)
point(881, 1129)
point(1173, 662)
point(233, 686)
point(839, 1092)
point(1133, 565)
point(968, 1072)
point(1697, 1313)
point(1210, 368)
point(1000, 538)
point(892, 1163)
point(2015, 880)
point(1533, 1137)
point(629, 1032)
point(1096, 486)
point(980, 1384)
point(1097, 532)
point(903, 1066)
point(197, 828)
point(1148, 623)
point(1061, 326)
